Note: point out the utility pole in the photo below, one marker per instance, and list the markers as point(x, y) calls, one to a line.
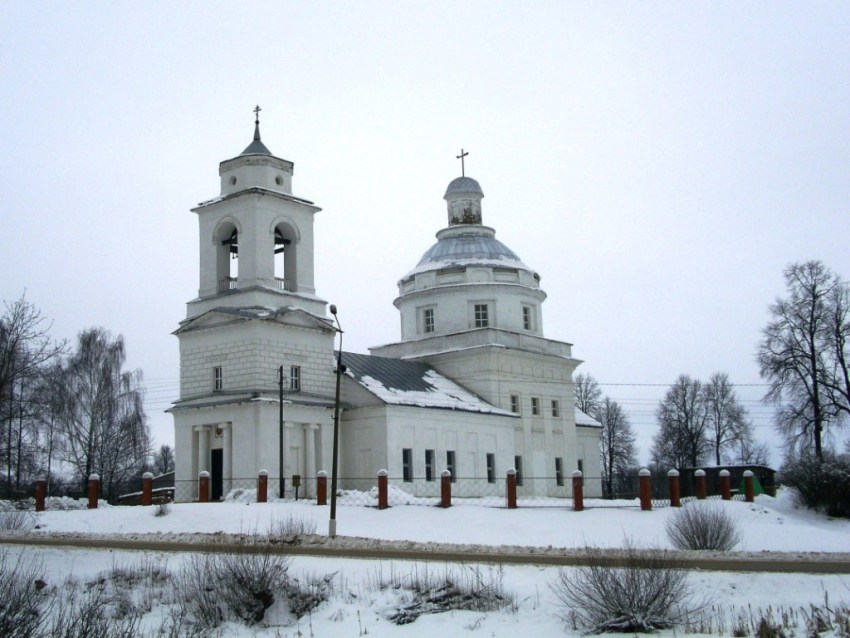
point(280, 425)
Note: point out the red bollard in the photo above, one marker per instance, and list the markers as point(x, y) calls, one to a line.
point(699, 477)
point(263, 486)
point(510, 488)
point(322, 488)
point(383, 501)
point(40, 494)
point(675, 490)
point(725, 485)
point(645, 490)
point(93, 491)
point(147, 488)
point(445, 488)
point(578, 491)
point(204, 487)
point(749, 488)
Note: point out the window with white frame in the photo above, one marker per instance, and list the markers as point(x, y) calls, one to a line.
point(407, 465)
point(491, 467)
point(515, 403)
point(218, 379)
point(481, 315)
point(556, 409)
point(429, 465)
point(428, 320)
point(451, 465)
point(535, 406)
point(527, 318)
point(295, 378)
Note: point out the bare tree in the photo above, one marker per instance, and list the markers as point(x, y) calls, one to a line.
point(727, 419)
point(617, 444)
point(682, 439)
point(803, 354)
point(587, 392)
point(102, 417)
point(163, 459)
point(25, 348)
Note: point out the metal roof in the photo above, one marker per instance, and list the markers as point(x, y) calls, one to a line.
point(470, 246)
point(463, 185)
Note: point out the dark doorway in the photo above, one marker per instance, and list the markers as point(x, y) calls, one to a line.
point(217, 465)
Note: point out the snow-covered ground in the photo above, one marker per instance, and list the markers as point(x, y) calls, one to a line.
point(361, 609)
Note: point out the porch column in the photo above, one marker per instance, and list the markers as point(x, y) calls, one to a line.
point(203, 447)
point(227, 456)
point(310, 458)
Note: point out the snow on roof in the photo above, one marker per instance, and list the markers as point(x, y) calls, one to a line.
point(398, 382)
point(583, 420)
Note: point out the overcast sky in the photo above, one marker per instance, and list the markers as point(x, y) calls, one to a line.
point(658, 164)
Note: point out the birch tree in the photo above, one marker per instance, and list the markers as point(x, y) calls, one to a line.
point(102, 418)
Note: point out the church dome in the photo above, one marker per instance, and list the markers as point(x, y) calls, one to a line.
point(466, 248)
point(463, 185)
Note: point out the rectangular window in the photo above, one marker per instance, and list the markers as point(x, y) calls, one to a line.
point(429, 465)
point(295, 378)
point(491, 468)
point(515, 403)
point(218, 379)
point(518, 468)
point(428, 319)
point(450, 464)
point(535, 406)
point(407, 465)
point(559, 470)
point(555, 409)
point(481, 315)
point(526, 318)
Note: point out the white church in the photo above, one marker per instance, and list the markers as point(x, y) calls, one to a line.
point(472, 385)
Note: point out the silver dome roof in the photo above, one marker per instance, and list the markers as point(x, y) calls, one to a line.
point(469, 247)
point(463, 185)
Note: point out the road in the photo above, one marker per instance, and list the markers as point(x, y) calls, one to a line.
point(372, 549)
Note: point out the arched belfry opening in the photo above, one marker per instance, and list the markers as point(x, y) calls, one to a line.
point(285, 256)
point(226, 240)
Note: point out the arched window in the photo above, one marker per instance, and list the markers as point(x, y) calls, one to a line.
point(226, 240)
point(285, 251)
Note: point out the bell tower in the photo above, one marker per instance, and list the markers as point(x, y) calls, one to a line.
point(256, 347)
point(256, 237)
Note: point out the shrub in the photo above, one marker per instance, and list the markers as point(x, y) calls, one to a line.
point(291, 529)
point(424, 591)
point(24, 600)
point(15, 520)
point(703, 526)
point(92, 614)
point(643, 591)
point(822, 485)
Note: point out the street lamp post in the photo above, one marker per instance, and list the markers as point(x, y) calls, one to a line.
point(334, 462)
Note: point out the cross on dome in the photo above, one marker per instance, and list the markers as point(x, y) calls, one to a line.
point(460, 157)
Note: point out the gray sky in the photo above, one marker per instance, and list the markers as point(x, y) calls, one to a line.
point(658, 164)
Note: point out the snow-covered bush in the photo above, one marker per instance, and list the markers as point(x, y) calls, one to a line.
point(703, 525)
point(823, 484)
point(427, 591)
point(643, 591)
